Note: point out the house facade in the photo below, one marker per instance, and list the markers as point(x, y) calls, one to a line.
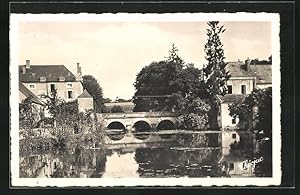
point(245, 77)
point(38, 106)
point(45, 79)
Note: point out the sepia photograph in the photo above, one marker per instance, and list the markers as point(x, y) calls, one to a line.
point(182, 99)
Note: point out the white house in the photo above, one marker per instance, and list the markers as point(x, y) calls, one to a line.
point(245, 77)
point(44, 79)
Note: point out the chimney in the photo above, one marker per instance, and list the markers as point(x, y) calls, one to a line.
point(27, 64)
point(247, 64)
point(78, 70)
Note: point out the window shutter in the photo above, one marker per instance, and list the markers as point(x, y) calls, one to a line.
point(66, 95)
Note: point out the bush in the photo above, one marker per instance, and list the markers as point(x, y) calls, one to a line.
point(116, 109)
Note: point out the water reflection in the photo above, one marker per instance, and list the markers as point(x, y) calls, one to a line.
point(161, 162)
point(155, 161)
point(139, 162)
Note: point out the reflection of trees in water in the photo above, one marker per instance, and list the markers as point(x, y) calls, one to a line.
point(100, 164)
point(62, 163)
point(264, 168)
point(161, 162)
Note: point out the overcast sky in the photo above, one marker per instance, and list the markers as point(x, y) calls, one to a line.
point(114, 52)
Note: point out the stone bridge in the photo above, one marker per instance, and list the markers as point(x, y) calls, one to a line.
point(139, 121)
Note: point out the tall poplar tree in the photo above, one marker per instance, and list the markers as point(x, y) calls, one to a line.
point(215, 75)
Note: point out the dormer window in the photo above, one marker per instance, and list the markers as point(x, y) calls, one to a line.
point(42, 79)
point(62, 78)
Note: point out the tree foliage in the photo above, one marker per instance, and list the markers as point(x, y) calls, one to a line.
point(29, 116)
point(93, 87)
point(256, 61)
point(167, 85)
point(195, 116)
point(64, 114)
point(175, 86)
point(257, 108)
point(255, 114)
point(215, 74)
point(116, 109)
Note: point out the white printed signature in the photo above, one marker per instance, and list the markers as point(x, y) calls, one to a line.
point(248, 163)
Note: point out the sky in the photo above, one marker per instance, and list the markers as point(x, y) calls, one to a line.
point(114, 52)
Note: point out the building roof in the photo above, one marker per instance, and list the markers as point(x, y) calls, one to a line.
point(230, 98)
point(263, 73)
point(52, 73)
point(85, 94)
point(28, 93)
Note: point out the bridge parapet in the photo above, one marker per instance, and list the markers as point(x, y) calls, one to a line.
point(137, 115)
point(144, 120)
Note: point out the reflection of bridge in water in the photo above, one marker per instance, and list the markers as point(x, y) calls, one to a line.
point(150, 139)
point(143, 128)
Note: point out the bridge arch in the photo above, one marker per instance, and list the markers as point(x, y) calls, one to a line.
point(166, 124)
point(115, 125)
point(139, 127)
point(115, 130)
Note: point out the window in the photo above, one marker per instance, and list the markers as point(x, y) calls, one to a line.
point(61, 78)
point(69, 85)
point(31, 86)
point(243, 89)
point(234, 135)
point(70, 94)
point(231, 166)
point(233, 120)
point(42, 79)
point(229, 89)
point(52, 88)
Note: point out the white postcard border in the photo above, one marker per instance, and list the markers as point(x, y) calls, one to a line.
point(15, 19)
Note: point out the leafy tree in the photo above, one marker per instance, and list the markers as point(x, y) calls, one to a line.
point(64, 114)
point(107, 100)
point(255, 108)
point(194, 116)
point(256, 61)
point(255, 113)
point(215, 75)
point(122, 100)
point(173, 56)
point(92, 86)
point(172, 85)
point(166, 85)
point(29, 117)
point(116, 109)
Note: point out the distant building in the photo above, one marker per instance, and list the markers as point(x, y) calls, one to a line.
point(44, 79)
point(126, 106)
point(85, 101)
point(245, 77)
